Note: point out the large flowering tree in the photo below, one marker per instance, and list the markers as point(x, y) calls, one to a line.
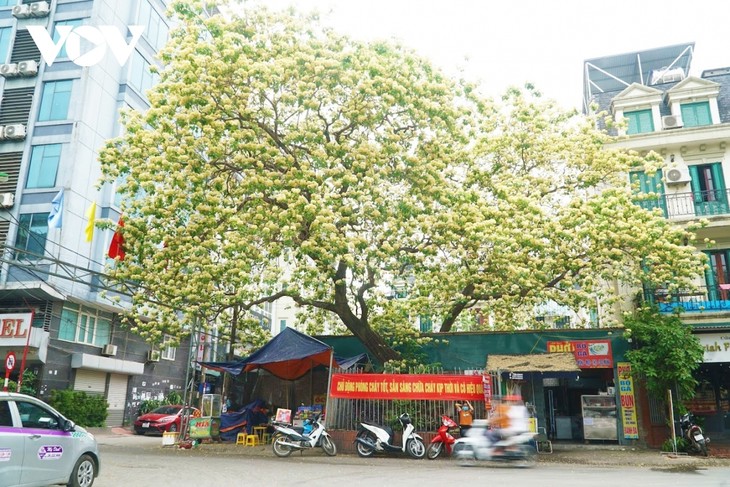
point(279, 158)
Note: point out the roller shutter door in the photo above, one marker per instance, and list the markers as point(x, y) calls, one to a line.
point(117, 398)
point(90, 381)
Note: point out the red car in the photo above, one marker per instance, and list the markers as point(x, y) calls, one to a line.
point(162, 419)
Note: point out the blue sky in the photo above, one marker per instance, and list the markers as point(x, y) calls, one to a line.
point(510, 42)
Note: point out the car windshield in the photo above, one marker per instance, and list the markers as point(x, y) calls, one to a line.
point(167, 410)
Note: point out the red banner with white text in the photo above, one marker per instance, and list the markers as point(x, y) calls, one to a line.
point(404, 386)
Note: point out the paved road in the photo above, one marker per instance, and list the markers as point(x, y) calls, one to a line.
point(142, 461)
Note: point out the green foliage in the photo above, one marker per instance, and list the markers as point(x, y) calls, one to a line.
point(84, 409)
point(665, 352)
point(148, 406)
point(29, 384)
point(682, 445)
point(173, 397)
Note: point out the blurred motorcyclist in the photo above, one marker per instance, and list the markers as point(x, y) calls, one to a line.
point(509, 418)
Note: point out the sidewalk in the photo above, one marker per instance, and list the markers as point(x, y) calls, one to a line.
point(565, 453)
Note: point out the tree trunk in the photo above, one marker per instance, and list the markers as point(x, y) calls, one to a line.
point(375, 343)
point(456, 309)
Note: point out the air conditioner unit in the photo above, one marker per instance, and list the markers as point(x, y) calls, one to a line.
point(671, 122)
point(28, 68)
point(677, 175)
point(109, 350)
point(21, 11)
point(153, 356)
point(9, 70)
point(14, 131)
point(2, 132)
point(40, 9)
point(7, 200)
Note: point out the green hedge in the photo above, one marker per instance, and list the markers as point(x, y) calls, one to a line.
point(84, 409)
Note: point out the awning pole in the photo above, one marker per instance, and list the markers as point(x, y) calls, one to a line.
point(329, 383)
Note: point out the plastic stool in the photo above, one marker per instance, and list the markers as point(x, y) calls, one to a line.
point(251, 440)
point(266, 438)
point(241, 439)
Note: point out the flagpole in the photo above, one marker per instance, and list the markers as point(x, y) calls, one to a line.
point(329, 384)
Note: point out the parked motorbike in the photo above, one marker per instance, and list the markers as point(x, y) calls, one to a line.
point(288, 438)
point(477, 446)
point(693, 434)
point(443, 440)
point(373, 438)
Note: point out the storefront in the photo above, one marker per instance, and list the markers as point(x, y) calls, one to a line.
point(712, 398)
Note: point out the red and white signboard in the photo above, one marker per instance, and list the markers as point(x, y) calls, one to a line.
point(9, 366)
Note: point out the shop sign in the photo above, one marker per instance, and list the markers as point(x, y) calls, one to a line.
point(589, 354)
point(14, 329)
point(716, 346)
point(628, 402)
point(404, 386)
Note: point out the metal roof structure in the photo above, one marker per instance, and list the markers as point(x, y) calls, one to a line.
point(615, 73)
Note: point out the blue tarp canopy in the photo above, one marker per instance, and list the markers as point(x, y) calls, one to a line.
point(289, 355)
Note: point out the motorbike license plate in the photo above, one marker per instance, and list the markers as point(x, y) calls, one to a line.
point(145, 425)
point(699, 437)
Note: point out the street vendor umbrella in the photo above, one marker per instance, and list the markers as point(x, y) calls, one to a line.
point(289, 355)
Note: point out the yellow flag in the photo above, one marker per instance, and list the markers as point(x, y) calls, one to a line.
point(91, 217)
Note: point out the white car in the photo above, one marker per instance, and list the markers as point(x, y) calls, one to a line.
point(39, 447)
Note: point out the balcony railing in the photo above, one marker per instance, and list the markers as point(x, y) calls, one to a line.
point(693, 204)
point(699, 300)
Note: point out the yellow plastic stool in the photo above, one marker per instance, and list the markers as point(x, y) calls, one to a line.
point(241, 439)
point(251, 440)
point(267, 438)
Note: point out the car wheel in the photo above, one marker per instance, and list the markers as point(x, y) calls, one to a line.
point(84, 472)
point(172, 428)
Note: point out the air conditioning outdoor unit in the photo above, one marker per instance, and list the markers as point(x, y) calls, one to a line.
point(671, 122)
point(9, 70)
point(677, 175)
point(21, 11)
point(28, 68)
point(7, 200)
point(14, 131)
point(153, 356)
point(109, 350)
point(40, 9)
point(2, 132)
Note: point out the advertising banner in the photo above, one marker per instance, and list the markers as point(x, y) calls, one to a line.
point(589, 354)
point(628, 403)
point(404, 386)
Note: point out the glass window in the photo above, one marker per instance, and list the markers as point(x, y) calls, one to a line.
point(43, 166)
point(696, 114)
point(6, 419)
point(8, 3)
point(56, 36)
point(640, 121)
point(55, 100)
point(84, 325)
point(140, 77)
point(30, 242)
point(282, 325)
point(168, 351)
point(6, 34)
point(156, 31)
point(34, 416)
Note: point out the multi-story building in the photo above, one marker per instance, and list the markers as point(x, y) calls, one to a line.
point(56, 114)
point(684, 117)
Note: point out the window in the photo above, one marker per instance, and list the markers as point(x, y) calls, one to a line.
point(696, 114)
point(426, 323)
point(84, 325)
point(282, 325)
point(32, 232)
point(56, 36)
point(140, 77)
point(34, 416)
point(8, 3)
point(43, 166)
point(6, 419)
point(648, 190)
point(717, 275)
point(167, 351)
point(708, 189)
point(155, 30)
point(6, 34)
point(640, 121)
point(55, 100)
